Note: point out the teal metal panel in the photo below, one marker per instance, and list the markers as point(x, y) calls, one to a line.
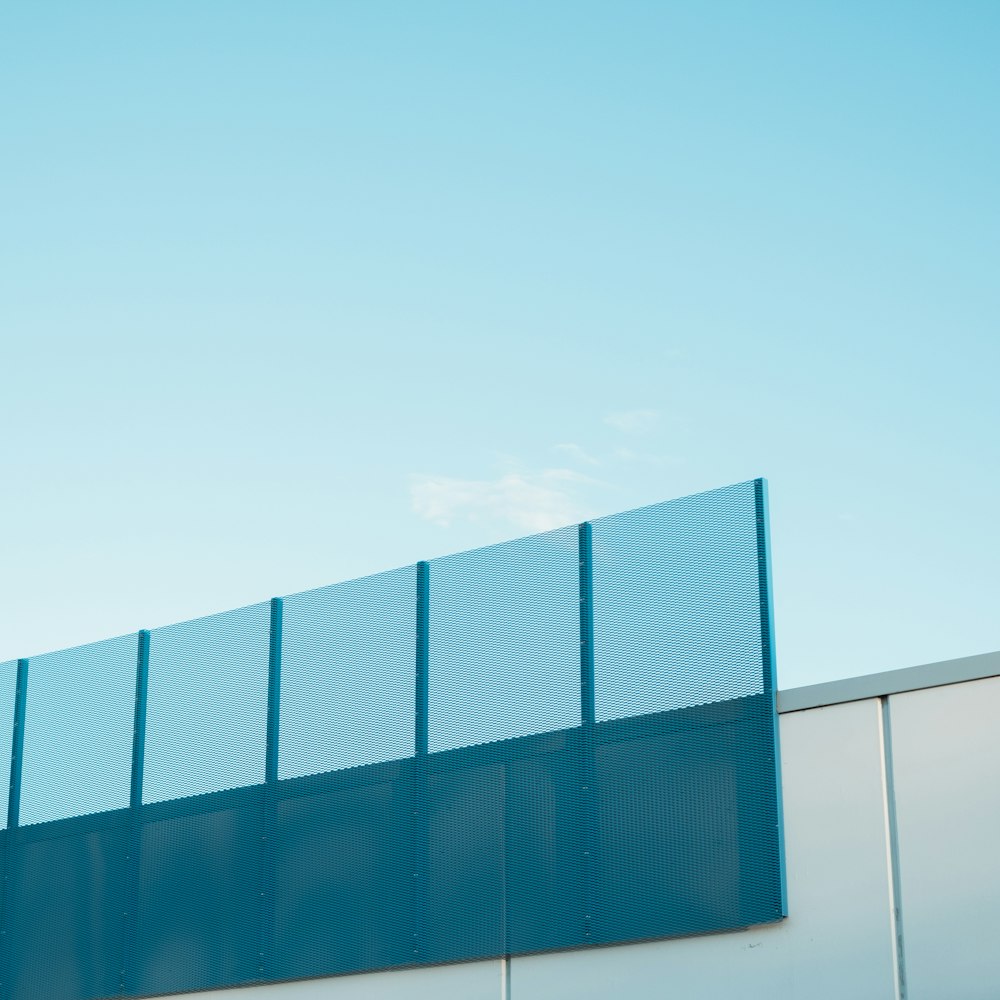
point(65, 899)
point(343, 872)
point(200, 884)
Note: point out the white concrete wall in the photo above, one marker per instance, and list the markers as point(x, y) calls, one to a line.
point(936, 812)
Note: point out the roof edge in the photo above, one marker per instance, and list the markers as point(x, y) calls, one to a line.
point(926, 675)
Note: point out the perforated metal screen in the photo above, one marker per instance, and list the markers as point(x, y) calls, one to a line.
point(347, 664)
point(78, 731)
point(207, 704)
point(504, 641)
point(677, 605)
point(561, 741)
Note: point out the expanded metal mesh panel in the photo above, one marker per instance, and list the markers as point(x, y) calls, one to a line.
point(347, 665)
point(343, 873)
point(505, 641)
point(65, 897)
point(677, 604)
point(462, 906)
point(78, 731)
point(548, 855)
point(677, 823)
point(8, 687)
point(207, 704)
point(200, 895)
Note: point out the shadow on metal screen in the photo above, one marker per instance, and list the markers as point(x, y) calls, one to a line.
point(561, 741)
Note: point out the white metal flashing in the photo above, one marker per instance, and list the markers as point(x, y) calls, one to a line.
point(926, 675)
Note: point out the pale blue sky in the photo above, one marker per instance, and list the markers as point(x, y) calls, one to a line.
point(291, 293)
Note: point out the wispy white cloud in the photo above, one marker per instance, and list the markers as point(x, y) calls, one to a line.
point(577, 453)
point(530, 501)
point(641, 458)
point(633, 421)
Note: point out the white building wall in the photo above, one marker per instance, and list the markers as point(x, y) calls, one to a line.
point(946, 763)
point(938, 816)
point(469, 981)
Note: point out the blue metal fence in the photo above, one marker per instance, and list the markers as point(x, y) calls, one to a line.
point(561, 741)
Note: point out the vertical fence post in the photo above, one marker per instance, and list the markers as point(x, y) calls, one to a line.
point(273, 691)
point(768, 673)
point(139, 720)
point(764, 583)
point(423, 655)
point(586, 624)
point(270, 803)
point(131, 928)
point(10, 854)
point(17, 747)
point(587, 719)
point(420, 828)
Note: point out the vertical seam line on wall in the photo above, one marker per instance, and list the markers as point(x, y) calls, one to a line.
point(892, 847)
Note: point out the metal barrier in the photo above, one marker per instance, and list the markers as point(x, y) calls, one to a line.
point(560, 741)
